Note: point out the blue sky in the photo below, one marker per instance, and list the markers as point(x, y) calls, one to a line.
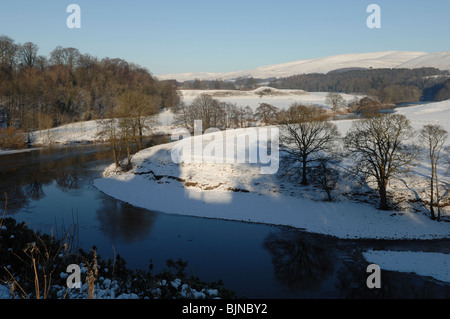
point(223, 36)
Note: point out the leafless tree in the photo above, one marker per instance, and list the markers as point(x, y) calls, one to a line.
point(335, 100)
point(8, 51)
point(28, 54)
point(325, 177)
point(378, 147)
point(136, 107)
point(204, 108)
point(266, 113)
point(108, 130)
point(433, 137)
point(368, 107)
point(305, 135)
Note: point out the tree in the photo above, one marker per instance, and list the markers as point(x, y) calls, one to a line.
point(305, 135)
point(7, 53)
point(325, 177)
point(135, 108)
point(335, 100)
point(108, 131)
point(266, 113)
point(433, 137)
point(28, 54)
point(377, 145)
point(368, 107)
point(204, 108)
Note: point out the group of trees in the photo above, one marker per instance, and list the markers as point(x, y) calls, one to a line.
point(38, 92)
point(380, 147)
point(214, 114)
point(126, 125)
point(219, 84)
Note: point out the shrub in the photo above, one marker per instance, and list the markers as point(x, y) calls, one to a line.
point(11, 138)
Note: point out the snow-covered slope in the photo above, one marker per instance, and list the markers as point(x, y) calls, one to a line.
point(439, 60)
point(389, 59)
point(238, 191)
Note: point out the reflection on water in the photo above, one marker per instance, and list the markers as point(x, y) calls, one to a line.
point(300, 264)
point(47, 188)
point(24, 175)
point(309, 264)
point(120, 220)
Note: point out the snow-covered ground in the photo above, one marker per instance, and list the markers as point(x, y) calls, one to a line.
point(279, 98)
point(239, 192)
point(87, 131)
point(426, 264)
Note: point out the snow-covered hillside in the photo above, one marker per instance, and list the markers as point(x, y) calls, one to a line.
point(389, 59)
point(439, 60)
point(87, 131)
point(240, 192)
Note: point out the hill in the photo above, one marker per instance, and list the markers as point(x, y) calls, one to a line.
point(389, 59)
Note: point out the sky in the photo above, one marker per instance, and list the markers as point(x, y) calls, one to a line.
point(180, 36)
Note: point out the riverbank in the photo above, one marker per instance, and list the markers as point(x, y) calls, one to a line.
point(22, 251)
point(239, 192)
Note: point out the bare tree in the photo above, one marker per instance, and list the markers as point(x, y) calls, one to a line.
point(108, 130)
point(204, 108)
point(368, 107)
point(266, 113)
point(28, 54)
point(378, 148)
point(7, 53)
point(433, 137)
point(305, 135)
point(135, 108)
point(325, 177)
point(335, 100)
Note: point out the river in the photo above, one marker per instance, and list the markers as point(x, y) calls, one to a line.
point(52, 190)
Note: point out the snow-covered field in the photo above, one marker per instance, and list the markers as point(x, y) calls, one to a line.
point(279, 98)
point(87, 132)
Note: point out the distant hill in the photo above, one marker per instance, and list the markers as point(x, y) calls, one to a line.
point(438, 60)
point(372, 60)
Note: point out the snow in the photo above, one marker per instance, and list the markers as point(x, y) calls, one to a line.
point(8, 152)
point(389, 59)
point(239, 192)
point(206, 190)
point(427, 264)
point(87, 132)
point(106, 288)
point(279, 98)
point(439, 60)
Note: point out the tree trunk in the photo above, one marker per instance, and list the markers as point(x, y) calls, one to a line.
point(116, 161)
point(437, 195)
point(304, 177)
point(433, 216)
point(383, 196)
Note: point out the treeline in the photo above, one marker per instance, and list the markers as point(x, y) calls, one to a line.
point(219, 84)
point(389, 86)
point(39, 92)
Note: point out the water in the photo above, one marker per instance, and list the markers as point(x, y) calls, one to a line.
point(52, 190)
